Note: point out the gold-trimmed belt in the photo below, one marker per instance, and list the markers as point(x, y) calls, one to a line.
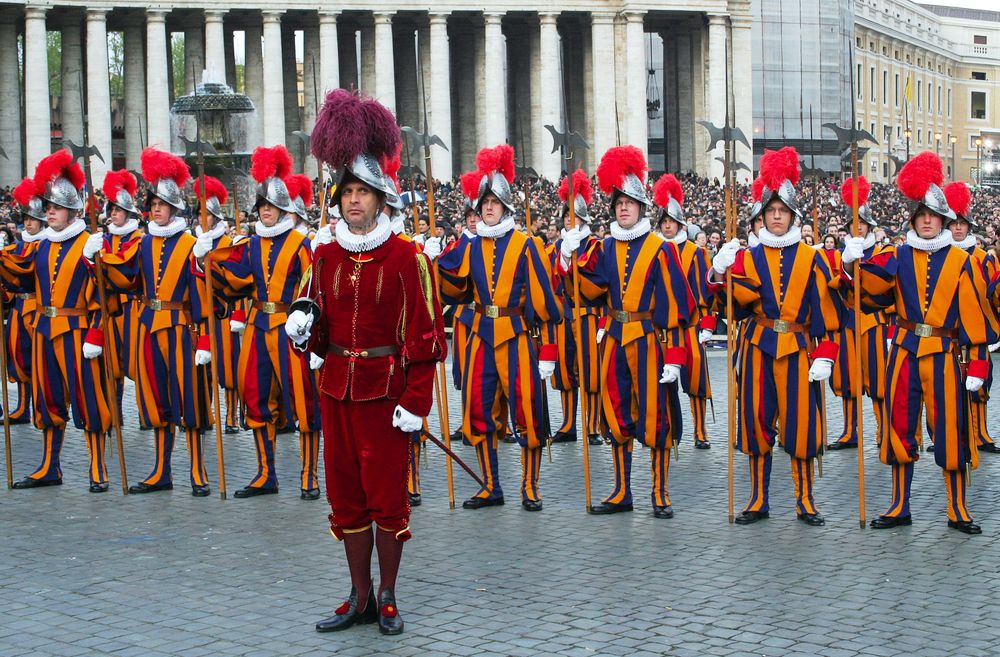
point(624, 316)
point(580, 312)
point(52, 311)
point(781, 325)
point(270, 307)
point(368, 352)
point(159, 304)
point(926, 330)
point(493, 312)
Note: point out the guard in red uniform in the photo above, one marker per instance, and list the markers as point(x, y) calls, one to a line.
point(370, 311)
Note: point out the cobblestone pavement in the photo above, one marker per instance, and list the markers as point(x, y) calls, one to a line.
point(169, 574)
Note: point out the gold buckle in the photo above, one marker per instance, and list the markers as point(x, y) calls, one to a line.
point(50, 311)
point(782, 326)
point(620, 316)
point(493, 312)
point(355, 354)
point(924, 330)
point(268, 307)
point(156, 304)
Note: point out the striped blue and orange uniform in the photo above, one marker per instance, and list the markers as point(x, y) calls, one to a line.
point(226, 350)
point(649, 302)
point(786, 295)
point(171, 390)
point(417, 438)
point(22, 306)
point(67, 313)
point(275, 381)
point(987, 261)
point(508, 281)
point(941, 308)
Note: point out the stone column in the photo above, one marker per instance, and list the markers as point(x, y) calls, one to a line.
point(98, 92)
point(495, 103)
point(588, 158)
point(71, 79)
point(273, 101)
point(685, 92)
point(215, 46)
point(347, 52)
point(636, 121)
point(253, 81)
point(439, 97)
point(230, 55)
point(194, 57)
point(550, 94)
point(602, 44)
point(405, 75)
point(290, 87)
point(157, 80)
point(717, 84)
point(699, 111)
point(135, 97)
point(311, 91)
point(329, 57)
point(367, 36)
point(385, 83)
point(37, 122)
point(10, 109)
point(742, 93)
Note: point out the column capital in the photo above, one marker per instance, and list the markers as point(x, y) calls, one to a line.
point(215, 15)
point(741, 21)
point(548, 17)
point(492, 17)
point(634, 16)
point(35, 12)
point(272, 15)
point(384, 17)
point(717, 19)
point(97, 14)
point(156, 15)
point(602, 17)
point(438, 17)
point(327, 16)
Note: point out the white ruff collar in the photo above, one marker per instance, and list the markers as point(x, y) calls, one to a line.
point(869, 241)
point(503, 227)
point(931, 245)
point(584, 231)
point(641, 228)
point(752, 239)
point(176, 226)
point(367, 242)
point(791, 237)
point(37, 237)
point(967, 243)
point(679, 238)
point(215, 233)
point(396, 223)
point(468, 233)
point(302, 229)
point(128, 227)
point(75, 227)
point(280, 228)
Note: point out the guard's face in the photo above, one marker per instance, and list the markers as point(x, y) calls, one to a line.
point(863, 229)
point(757, 224)
point(669, 228)
point(959, 229)
point(32, 226)
point(627, 211)
point(160, 212)
point(422, 226)
point(471, 220)
point(117, 217)
point(58, 216)
point(492, 210)
point(359, 204)
point(268, 214)
point(927, 224)
point(777, 218)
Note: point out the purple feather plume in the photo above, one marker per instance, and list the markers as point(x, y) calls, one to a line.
point(383, 134)
point(349, 125)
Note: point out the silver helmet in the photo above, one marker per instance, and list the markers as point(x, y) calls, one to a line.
point(62, 192)
point(935, 201)
point(392, 196)
point(779, 173)
point(580, 208)
point(169, 192)
point(125, 201)
point(495, 183)
point(273, 191)
point(31, 204)
point(786, 194)
point(35, 209)
point(633, 188)
point(214, 208)
point(366, 169)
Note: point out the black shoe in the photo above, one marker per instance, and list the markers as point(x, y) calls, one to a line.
point(969, 527)
point(833, 447)
point(309, 494)
point(480, 502)
point(564, 437)
point(532, 505)
point(416, 499)
point(812, 519)
point(702, 444)
point(989, 447)
point(31, 482)
point(98, 487)
point(285, 430)
point(20, 419)
point(510, 439)
point(389, 620)
point(606, 508)
point(254, 491)
point(888, 522)
point(750, 517)
point(663, 512)
point(200, 491)
point(230, 429)
point(142, 487)
point(347, 614)
point(930, 447)
point(457, 436)
point(595, 439)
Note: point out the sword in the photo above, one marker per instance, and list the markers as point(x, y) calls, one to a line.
point(447, 450)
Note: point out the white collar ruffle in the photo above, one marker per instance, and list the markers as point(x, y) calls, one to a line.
point(367, 242)
point(176, 226)
point(468, 233)
point(396, 223)
point(793, 235)
point(284, 225)
point(502, 227)
point(28, 238)
point(216, 231)
point(931, 245)
point(126, 228)
point(75, 227)
point(967, 243)
point(752, 239)
point(679, 238)
point(641, 228)
point(869, 241)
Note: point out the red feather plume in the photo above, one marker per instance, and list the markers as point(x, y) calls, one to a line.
point(391, 165)
point(847, 191)
point(470, 183)
point(58, 164)
point(114, 181)
point(757, 189)
point(667, 187)
point(157, 165)
point(581, 187)
point(300, 186)
point(275, 162)
point(499, 159)
point(25, 191)
point(617, 163)
point(917, 175)
point(959, 197)
point(214, 187)
point(778, 166)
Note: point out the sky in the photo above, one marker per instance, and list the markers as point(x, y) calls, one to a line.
point(969, 4)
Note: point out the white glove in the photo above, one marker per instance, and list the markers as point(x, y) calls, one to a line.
point(237, 327)
point(202, 357)
point(993, 347)
point(571, 241)
point(546, 368)
point(704, 335)
point(93, 246)
point(821, 369)
point(670, 373)
point(726, 257)
point(323, 236)
point(406, 421)
point(298, 325)
point(315, 362)
point(854, 249)
point(91, 351)
point(973, 383)
point(433, 247)
point(202, 246)
point(600, 335)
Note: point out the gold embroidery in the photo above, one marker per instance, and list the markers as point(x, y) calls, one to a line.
point(378, 285)
point(336, 281)
point(426, 284)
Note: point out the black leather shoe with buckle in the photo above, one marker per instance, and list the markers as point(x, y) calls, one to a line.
point(348, 615)
point(389, 620)
point(142, 487)
point(606, 508)
point(750, 517)
point(888, 522)
point(482, 502)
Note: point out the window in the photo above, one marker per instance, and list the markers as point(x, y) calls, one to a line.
point(939, 99)
point(930, 98)
point(885, 87)
point(977, 105)
point(949, 102)
point(871, 83)
point(979, 39)
point(860, 83)
point(920, 137)
point(897, 90)
point(899, 132)
point(979, 75)
point(920, 103)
